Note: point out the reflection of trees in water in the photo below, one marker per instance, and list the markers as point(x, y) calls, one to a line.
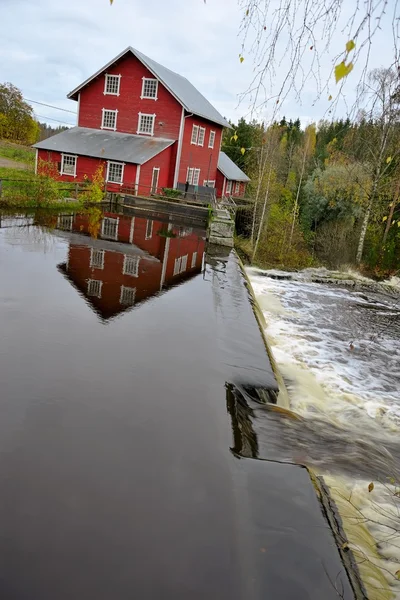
point(245, 441)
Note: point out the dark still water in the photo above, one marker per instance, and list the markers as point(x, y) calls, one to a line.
point(121, 347)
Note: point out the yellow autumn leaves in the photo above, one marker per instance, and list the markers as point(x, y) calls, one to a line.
point(344, 68)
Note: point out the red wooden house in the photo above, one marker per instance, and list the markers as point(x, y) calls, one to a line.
point(147, 127)
point(131, 259)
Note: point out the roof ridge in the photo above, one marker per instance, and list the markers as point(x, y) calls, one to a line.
point(158, 64)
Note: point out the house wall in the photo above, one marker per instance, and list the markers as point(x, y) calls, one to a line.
point(92, 100)
point(200, 157)
point(220, 187)
point(87, 166)
point(165, 162)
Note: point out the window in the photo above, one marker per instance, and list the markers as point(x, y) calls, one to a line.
point(115, 172)
point(97, 259)
point(180, 264)
point(237, 187)
point(202, 135)
point(65, 222)
point(228, 188)
point(193, 176)
point(154, 180)
point(210, 184)
point(146, 124)
point(149, 88)
point(109, 120)
point(195, 134)
point(185, 231)
point(127, 296)
point(211, 139)
point(68, 165)
point(149, 229)
point(131, 265)
point(194, 259)
point(111, 85)
point(109, 228)
point(94, 287)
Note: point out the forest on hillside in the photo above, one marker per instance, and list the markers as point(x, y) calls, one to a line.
point(327, 193)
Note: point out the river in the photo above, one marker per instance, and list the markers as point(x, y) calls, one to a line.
point(338, 349)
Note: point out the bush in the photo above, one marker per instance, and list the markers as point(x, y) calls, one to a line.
point(171, 193)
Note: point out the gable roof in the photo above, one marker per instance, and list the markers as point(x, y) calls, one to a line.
point(229, 169)
point(110, 145)
point(180, 87)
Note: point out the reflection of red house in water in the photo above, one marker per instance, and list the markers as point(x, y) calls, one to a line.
point(132, 258)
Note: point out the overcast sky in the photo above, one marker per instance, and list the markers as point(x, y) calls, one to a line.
point(48, 47)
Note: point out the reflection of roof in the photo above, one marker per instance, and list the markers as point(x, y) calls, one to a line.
point(178, 86)
point(111, 145)
point(83, 239)
point(229, 169)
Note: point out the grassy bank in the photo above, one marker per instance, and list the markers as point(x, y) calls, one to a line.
point(17, 152)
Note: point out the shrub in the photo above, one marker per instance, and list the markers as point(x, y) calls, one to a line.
point(171, 193)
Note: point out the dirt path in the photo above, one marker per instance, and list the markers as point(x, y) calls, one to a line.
point(13, 164)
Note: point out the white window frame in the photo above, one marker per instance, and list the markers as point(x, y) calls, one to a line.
point(195, 134)
point(109, 110)
point(180, 264)
point(96, 264)
point(103, 222)
point(228, 187)
point(65, 222)
point(149, 234)
point(100, 285)
point(106, 93)
point(152, 189)
point(139, 123)
point(63, 157)
point(210, 183)
point(202, 136)
point(194, 260)
point(193, 176)
point(132, 290)
point(115, 162)
point(128, 261)
point(143, 97)
point(211, 139)
point(237, 187)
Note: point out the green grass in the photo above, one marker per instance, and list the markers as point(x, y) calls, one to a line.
point(8, 173)
point(16, 152)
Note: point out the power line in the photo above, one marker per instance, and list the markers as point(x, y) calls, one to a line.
point(50, 106)
point(56, 120)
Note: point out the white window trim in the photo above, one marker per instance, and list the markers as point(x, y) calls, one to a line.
point(212, 135)
point(203, 131)
point(62, 164)
point(195, 127)
point(148, 237)
point(103, 110)
point(237, 187)
point(93, 266)
point(209, 183)
point(100, 288)
point(158, 178)
point(140, 118)
point(228, 187)
point(194, 260)
point(143, 97)
point(108, 237)
point(137, 260)
point(123, 288)
point(105, 84)
point(115, 162)
point(195, 175)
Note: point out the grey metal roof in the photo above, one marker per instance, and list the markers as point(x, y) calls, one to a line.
point(110, 145)
point(180, 87)
point(230, 169)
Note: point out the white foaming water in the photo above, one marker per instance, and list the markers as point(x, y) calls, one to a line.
point(339, 353)
point(338, 350)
